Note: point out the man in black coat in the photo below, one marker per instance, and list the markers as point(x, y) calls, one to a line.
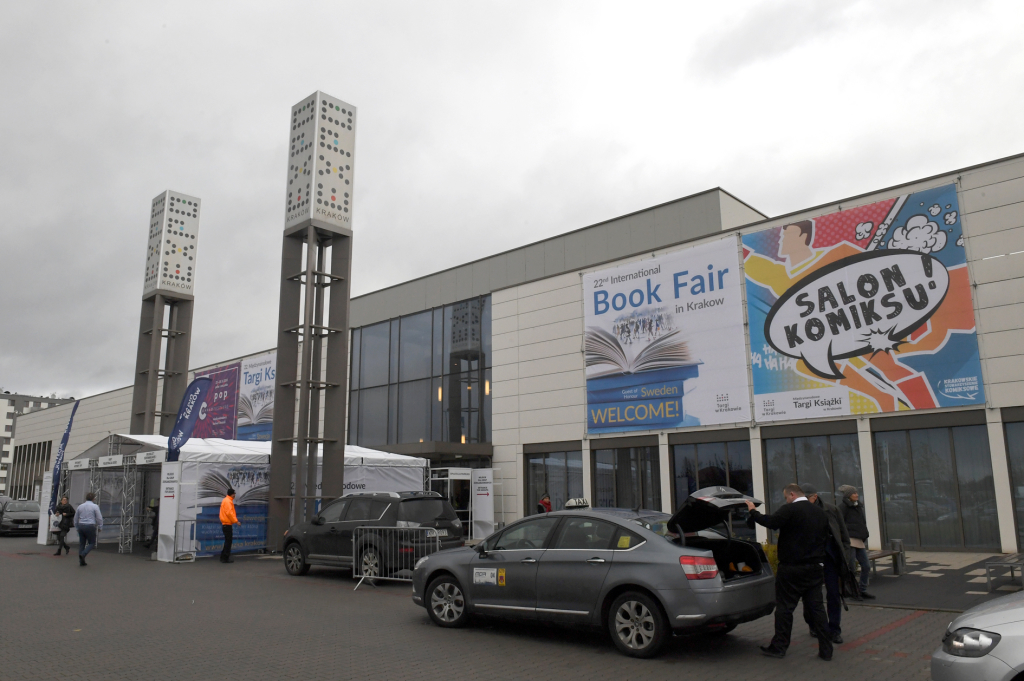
point(834, 567)
point(803, 530)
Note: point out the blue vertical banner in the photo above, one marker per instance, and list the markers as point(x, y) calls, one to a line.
point(59, 461)
point(192, 410)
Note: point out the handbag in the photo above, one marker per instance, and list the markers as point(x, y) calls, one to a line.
point(55, 522)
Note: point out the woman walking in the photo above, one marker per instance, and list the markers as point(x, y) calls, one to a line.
point(67, 515)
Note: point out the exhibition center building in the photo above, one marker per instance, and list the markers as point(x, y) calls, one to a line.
point(873, 342)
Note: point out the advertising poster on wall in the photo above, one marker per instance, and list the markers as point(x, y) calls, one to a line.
point(210, 483)
point(863, 311)
point(664, 343)
point(217, 416)
point(256, 397)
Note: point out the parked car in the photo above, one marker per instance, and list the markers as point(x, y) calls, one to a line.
point(327, 539)
point(641, 575)
point(985, 642)
point(19, 517)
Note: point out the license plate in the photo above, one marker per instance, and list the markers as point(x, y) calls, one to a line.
point(441, 532)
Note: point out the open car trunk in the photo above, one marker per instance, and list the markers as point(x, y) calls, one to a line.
point(707, 509)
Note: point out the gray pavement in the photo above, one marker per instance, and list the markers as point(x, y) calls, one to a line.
point(123, 617)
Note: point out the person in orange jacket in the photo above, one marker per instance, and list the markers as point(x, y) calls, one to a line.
point(228, 520)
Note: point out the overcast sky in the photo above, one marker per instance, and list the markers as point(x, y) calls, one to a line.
point(482, 126)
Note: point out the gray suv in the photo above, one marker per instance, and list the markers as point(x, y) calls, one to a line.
point(641, 575)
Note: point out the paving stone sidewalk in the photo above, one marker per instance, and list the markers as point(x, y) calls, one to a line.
point(123, 617)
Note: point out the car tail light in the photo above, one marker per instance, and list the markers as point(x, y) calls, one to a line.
point(406, 550)
point(698, 567)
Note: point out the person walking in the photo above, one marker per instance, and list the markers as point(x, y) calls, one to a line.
point(154, 508)
point(67, 516)
point(857, 523)
point(803, 530)
point(89, 523)
point(834, 567)
point(228, 520)
point(544, 505)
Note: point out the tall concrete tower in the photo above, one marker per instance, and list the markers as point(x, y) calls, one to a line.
point(315, 272)
point(165, 325)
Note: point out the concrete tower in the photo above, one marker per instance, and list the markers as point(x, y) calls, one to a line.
point(315, 271)
point(166, 311)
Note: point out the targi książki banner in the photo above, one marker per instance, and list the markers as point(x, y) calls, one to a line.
point(664, 343)
point(862, 311)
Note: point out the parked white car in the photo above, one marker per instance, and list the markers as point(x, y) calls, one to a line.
point(986, 642)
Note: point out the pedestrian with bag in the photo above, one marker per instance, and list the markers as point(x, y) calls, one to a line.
point(803, 531)
point(228, 520)
point(857, 523)
point(89, 523)
point(64, 513)
point(835, 568)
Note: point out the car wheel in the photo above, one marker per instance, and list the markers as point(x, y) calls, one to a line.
point(446, 603)
point(369, 562)
point(294, 562)
point(637, 625)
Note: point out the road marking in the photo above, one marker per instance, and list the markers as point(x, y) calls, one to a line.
point(883, 631)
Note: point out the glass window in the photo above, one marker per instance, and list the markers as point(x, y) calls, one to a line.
point(485, 329)
point(415, 348)
point(374, 346)
point(423, 511)
point(977, 486)
point(781, 469)
point(463, 336)
point(627, 478)
point(935, 488)
point(711, 464)
point(684, 457)
point(557, 474)
point(896, 486)
point(373, 416)
point(1015, 453)
point(585, 534)
point(438, 341)
point(414, 411)
point(624, 539)
point(436, 409)
point(392, 414)
point(813, 464)
point(360, 509)
point(354, 363)
point(353, 417)
point(394, 350)
point(333, 513)
point(530, 534)
point(845, 463)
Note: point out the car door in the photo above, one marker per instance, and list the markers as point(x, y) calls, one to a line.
point(323, 540)
point(504, 576)
point(573, 568)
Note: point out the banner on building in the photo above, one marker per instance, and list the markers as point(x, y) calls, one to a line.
point(256, 397)
point(664, 342)
point(219, 417)
point(863, 311)
point(209, 484)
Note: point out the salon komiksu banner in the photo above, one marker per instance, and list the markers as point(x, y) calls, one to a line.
point(664, 342)
point(863, 311)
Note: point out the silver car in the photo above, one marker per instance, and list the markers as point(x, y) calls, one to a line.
point(641, 575)
point(986, 642)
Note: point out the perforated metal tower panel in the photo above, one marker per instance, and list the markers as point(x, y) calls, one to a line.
point(173, 242)
point(321, 163)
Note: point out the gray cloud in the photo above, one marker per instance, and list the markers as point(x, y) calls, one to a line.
point(481, 127)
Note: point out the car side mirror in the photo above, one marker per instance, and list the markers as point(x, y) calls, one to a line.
point(481, 548)
point(318, 520)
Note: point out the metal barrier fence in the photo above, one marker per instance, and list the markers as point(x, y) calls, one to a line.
point(197, 537)
point(390, 553)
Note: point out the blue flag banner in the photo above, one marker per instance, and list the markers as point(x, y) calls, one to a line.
point(59, 461)
point(191, 411)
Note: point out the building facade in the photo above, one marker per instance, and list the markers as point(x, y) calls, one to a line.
point(21, 470)
point(806, 365)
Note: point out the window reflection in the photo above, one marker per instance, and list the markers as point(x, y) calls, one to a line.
point(627, 477)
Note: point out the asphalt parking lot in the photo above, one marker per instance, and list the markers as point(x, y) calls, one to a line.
point(124, 617)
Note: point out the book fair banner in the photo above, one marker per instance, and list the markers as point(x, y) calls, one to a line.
point(664, 342)
point(863, 311)
point(218, 418)
point(256, 397)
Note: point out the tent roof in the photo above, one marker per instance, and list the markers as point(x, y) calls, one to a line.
point(212, 450)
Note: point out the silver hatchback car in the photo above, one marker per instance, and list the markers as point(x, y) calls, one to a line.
point(642, 575)
point(985, 642)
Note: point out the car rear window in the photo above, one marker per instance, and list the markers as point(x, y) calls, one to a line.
point(425, 510)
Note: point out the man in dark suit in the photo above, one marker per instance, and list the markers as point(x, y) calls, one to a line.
point(803, 529)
